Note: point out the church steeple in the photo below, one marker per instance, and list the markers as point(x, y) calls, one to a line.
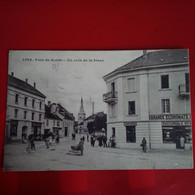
point(81, 108)
point(81, 114)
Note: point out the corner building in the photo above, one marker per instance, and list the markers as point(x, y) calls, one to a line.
point(150, 97)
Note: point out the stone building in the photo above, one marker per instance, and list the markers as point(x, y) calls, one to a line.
point(53, 123)
point(25, 109)
point(150, 97)
point(59, 113)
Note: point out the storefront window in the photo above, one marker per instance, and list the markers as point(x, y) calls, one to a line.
point(13, 131)
point(172, 134)
point(168, 135)
point(130, 134)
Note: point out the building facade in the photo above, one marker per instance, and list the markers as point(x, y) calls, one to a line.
point(150, 97)
point(67, 119)
point(25, 109)
point(53, 123)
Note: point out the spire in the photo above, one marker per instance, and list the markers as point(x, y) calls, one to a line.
point(81, 108)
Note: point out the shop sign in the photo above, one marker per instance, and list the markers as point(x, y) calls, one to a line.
point(130, 123)
point(169, 116)
point(176, 123)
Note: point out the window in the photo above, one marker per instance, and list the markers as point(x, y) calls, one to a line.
point(25, 114)
point(113, 110)
point(33, 103)
point(165, 105)
point(25, 101)
point(40, 105)
point(168, 135)
point(164, 81)
point(131, 84)
point(187, 80)
point(16, 98)
point(131, 108)
point(130, 134)
point(113, 132)
point(39, 117)
point(15, 113)
point(112, 86)
point(58, 123)
point(13, 130)
point(33, 116)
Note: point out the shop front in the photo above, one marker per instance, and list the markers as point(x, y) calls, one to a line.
point(57, 131)
point(177, 132)
point(36, 129)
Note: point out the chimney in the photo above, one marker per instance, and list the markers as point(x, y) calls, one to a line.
point(49, 103)
point(12, 73)
point(34, 85)
point(144, 53)
point(26, 80)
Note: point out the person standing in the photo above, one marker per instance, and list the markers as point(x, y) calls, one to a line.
point(81, 146)
point(105, 141)
point(143, 144)
point(182, 142)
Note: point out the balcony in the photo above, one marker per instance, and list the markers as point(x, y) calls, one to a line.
point(184, 91)
point(110, 97)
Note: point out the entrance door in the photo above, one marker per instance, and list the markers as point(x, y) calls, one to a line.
point(66, 132)
point(178, 134)
point(24, 132)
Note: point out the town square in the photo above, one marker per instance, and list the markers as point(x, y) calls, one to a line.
point(98, 110)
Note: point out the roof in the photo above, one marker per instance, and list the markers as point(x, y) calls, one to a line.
point(91, 117)
point(49, 115)
point(156, 58)
point(17, 83)
point(65, 113)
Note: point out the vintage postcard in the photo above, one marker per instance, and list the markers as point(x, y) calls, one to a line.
point(98, 110)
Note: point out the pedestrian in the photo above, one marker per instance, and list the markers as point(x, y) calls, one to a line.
point(83, 138)
point(143, 145)
point(50, 140)
point(57, 138)
point(87, 137)
point(182, 142)
point(32, 144)
point(104, 141)
point(100, 141)
point(92, 141)
point(81, 146)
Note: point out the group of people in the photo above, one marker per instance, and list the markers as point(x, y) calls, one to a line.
point(102, 140)
point(47, 138)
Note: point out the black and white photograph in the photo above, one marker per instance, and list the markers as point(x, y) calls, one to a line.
point(98, 110)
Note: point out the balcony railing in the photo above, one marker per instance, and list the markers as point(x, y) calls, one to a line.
point(184, 91)
point(110, 97)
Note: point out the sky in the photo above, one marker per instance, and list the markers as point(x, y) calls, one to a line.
point(66, 76)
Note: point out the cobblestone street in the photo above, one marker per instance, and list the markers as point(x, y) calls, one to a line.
point(61, 157)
